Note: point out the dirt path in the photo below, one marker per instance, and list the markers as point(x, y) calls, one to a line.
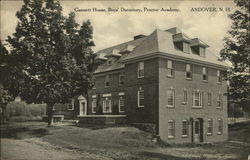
point(35, 149)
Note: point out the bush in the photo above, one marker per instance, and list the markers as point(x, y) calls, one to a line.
point(20, 111)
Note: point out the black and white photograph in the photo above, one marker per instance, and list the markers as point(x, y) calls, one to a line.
point(124, 80)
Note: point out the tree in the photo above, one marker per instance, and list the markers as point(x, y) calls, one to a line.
point(236, 50)
point(5, 96)
point(52, 60)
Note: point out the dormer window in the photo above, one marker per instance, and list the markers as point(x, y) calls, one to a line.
point(186, 47)
point(182, 42)
point(198, 47)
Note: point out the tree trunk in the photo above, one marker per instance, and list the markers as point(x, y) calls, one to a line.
point(50, 114)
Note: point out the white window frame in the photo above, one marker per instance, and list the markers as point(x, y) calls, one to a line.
point(209, 98)
point(121, 83)
point(173, 95)
point(170, 68)
point(104, 107)
point(219, 101)
point(220, 126)
point(71, 104)
point(219, 78)
point(185, 95)
point(189, 70)
point(94, 105)
point(171, 127)
point(121, 98)
point(209, 126)
point(200, 99)
point(140, 68)
point(138, 98)
point(204, 73)
point(185, 121)
point(107, 79)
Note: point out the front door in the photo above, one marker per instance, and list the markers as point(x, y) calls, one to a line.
point(198, 130)
point(82, 108)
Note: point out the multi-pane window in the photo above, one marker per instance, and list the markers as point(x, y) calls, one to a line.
point(219, 101)
point(121, 104)
point(219, 76)
point(71, 105)
point(220, 126)
point(210, 126)
point(171, 128)
point(107, 83)
point(184, 128)
point(141, 98)
point(204, 73)
point(121, 79)
point(107, 108)
point(170, 69)
point(140, 69)
point(170, 98)
point(188, 71)
point(186, 47)
point(94, 105)
point(197, 99)
point(209, 98)
point(184, 96)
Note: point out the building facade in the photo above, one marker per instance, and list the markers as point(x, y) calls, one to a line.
point(165, 79)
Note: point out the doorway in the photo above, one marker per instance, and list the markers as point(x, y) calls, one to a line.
point(82, 106)
point(198, 130)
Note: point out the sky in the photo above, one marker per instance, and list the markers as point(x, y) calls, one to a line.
point(113, 28)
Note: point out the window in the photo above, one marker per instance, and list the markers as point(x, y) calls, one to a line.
point(209, 98)
point(204, 73)
point(107, 83)
point(219, 101)
point(121, 104)
point(170, 98)
point(107, 105)
point(121, 79)
point(141, 98)
point(184, 128)
point(140, 69)
point(184, 96)
point(202, 51)
point(197, 99)
point(196, 127)
point(220, 127)
point(186, 47)
point(210, 127)
point(71, 105)
point(170, 69)
point(188, 71)
point(219, 76)
point(94, 105)
point(171, 129)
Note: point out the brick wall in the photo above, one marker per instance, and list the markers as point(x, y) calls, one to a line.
point(148, 113)
point(180, 111)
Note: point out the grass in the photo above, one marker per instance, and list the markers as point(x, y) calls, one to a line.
point(129, 143)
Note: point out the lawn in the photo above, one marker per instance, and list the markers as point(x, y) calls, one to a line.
point(125, 142)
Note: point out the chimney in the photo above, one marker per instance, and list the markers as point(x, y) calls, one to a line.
point(139, 36)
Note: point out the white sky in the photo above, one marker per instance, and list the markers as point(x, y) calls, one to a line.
point(115, 28)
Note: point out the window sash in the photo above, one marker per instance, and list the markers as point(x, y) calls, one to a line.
point(71, 105)
point(186, 47)
point(107, 106)
point(184, 128)
point(170, 68)
point(188, 71)
point(204, 73)
point(209, 98)
point(121, 79)
point(141, 69)
point(94, 105)
point(121, 104)
point(170, 98)
point(219, 76)
point(219, 101)
point(185, 96)
point(210, 127)
point(220, 126)
point(141, 98)
point(197, 99)
point(107, 84)
point(171, 129)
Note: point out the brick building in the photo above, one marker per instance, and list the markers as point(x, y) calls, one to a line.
point(165, 79)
